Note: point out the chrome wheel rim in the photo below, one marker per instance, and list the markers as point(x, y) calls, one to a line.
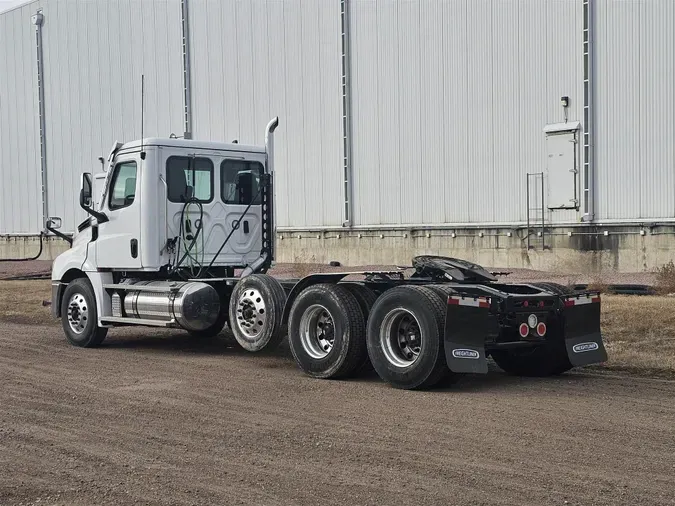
point(78, 313)
point(401, 337)
point(251, 312)
point(317, 331)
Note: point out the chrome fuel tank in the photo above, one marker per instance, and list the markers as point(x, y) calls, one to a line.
point(193, 305)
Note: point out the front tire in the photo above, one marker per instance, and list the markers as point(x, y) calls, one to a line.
point(326, 332)
point(405, 337)
point(79, 316)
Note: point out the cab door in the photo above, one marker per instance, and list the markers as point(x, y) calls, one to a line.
point(119, 239)
point(242, 199)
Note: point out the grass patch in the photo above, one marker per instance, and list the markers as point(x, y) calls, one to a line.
point(639, 334)
point(21, 302)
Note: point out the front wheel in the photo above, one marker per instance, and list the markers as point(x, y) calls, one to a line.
point(79, 316)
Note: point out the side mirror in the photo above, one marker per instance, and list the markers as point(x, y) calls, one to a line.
point(86, 200)
point(244, 187)
point(85, 190)
point(54, 223)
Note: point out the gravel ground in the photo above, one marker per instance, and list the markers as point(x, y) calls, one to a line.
point(156, 418)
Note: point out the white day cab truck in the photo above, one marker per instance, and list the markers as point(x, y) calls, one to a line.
point(180, 234)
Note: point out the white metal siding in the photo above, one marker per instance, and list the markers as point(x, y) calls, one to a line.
point(450, 98)
point(635, 107)
point(20, 188)
point(253, 60)
point(95, 54)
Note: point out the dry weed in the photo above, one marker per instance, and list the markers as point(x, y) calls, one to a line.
point(21, 302)
point(665, 278)
point(639, 333)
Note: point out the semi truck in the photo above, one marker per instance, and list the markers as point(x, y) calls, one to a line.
point(180, 233)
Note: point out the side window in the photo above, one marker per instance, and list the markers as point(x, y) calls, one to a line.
point(188, 177)
point(240, 182)
point(123, 186)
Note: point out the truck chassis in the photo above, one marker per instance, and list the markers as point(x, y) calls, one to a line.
point(172, 263)
point(415, 331)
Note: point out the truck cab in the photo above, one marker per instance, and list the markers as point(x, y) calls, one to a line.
point(154, 203)
point(166, 211)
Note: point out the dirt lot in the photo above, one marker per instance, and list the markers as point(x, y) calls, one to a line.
point(154, 417)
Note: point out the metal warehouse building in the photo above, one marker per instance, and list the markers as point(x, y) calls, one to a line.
point(510, 132)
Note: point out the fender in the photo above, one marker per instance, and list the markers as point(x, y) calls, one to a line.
point(312, 279)
point(77, 259)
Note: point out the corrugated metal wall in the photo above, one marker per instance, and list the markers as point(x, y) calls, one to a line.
point(635, 109)
point(450, 99)
point(20, 190)
point(94, 56)
point(256, 59)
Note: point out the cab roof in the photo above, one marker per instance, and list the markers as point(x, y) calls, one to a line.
point(192, 144)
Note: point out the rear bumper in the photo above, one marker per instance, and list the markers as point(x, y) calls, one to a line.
point(475, 326)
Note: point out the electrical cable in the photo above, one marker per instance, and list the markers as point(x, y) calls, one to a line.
point(234, 228)
point(182, 239)
point(26, 259)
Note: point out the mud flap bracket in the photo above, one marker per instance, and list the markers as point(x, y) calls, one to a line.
point(468, 323)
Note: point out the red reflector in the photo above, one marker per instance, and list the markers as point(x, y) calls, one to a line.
point(453, 301)
point(525, 303)
point(569, 302)
point(541, 329)
point(596, 299)
point(541, 303)
point(524, 330)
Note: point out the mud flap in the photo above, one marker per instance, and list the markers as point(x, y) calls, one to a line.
point(468, 323)
point(583, 339)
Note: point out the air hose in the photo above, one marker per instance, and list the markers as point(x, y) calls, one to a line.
point(189, 241)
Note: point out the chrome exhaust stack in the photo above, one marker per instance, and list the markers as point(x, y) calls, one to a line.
point(266, 258)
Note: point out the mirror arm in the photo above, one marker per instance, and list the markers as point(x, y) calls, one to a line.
point(63, 236)
point(100, 217)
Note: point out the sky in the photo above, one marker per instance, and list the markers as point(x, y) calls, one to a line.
point(8, 4)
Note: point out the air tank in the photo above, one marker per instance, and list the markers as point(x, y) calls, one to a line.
point(193, 305)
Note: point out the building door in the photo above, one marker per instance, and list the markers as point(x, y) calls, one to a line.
point(561, 167)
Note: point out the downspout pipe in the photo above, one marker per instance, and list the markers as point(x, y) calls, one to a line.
point(187, 81)
point(347, 218)
point(38, 19)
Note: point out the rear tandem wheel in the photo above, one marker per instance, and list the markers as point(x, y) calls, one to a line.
point(326, 331)
point(405, 337)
